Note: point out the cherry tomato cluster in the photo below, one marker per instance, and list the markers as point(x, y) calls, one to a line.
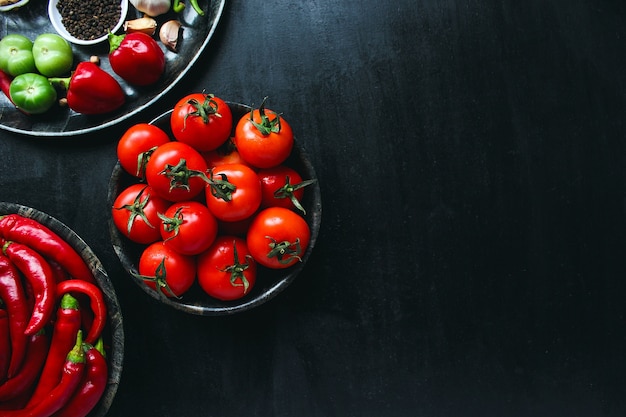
point(52, 315)
point(213, 203)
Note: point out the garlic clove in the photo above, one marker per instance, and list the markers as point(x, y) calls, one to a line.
point(170, 33)
point(144, 24)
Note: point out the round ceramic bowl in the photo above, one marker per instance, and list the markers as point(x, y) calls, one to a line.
point(57, 23)
point(269, 282)
point(15, 5)
point(113, 333)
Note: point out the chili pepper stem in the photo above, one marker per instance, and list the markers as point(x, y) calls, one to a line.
point(77, 354)
point(99, 346)
point(68, 302)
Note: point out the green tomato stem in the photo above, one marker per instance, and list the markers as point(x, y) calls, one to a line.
point(61, 82)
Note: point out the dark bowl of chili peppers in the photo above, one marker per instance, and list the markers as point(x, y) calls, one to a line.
point(243, 262)
point(61, 330)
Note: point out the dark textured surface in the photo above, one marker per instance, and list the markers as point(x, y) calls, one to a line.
point(471, 159)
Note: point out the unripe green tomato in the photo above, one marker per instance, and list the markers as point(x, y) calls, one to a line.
point(16, 55)
point(53, 55)
point(32, 93)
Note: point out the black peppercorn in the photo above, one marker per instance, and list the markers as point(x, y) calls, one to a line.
point(88, 20)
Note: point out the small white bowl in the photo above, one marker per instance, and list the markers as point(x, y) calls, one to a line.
point(12, 6)
point(55, 18)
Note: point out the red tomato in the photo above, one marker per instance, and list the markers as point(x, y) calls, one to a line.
point(202, 121)
point(135, 213)
point(282, 186)
point(227, 271)
point(163, 267)
point(234, 192)
point(137, 58)
point(278, 237)
point(225, 154)
point(263, 140)
point(137, 144)
point(176, 171)
point(188, 227)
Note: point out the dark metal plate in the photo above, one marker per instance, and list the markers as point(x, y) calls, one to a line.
point(32, 20)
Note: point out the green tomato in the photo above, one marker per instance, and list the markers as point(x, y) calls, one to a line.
point(16, 55)
point(32, 93)
point(53, 55)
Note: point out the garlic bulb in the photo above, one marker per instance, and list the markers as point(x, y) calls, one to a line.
point(152, 7)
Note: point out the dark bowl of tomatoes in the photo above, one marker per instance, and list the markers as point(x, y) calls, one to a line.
point(221, 283)
point(45, 240)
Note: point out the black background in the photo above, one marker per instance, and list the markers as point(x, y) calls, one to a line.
point(470, 262)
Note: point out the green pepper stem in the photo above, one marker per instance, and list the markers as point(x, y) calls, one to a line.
point(69, 303)
point(178, 6)
point(77, 354)
point(99, 346)
point(61, 82)
point(115, 41)
point(196, 7)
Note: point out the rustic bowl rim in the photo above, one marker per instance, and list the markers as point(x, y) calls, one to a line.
point(115, 320)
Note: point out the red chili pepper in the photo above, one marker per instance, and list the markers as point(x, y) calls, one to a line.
point(97, 304)
point(5, 344)
point(16, 403)
point(91, 90)
point(39, 275)
point(43, 240)
point(71, 375)
point(66, 326)
point(5, 84)
point(36, 352)
point(12, 294)
point(92, 385)
point(60, 274)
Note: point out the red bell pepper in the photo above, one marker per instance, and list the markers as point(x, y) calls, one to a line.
point(91, 90)
point(136, 57)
